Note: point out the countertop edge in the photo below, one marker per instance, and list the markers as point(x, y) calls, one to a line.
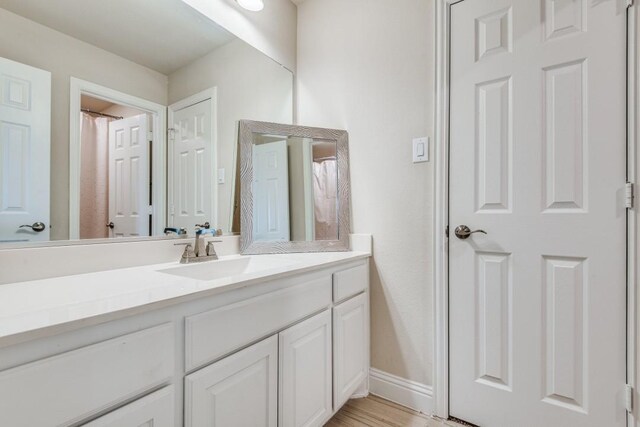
point(94, 320)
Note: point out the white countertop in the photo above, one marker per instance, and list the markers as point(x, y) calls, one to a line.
point(27, 308)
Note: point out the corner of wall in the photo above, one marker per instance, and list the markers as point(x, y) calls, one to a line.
point(273, 31)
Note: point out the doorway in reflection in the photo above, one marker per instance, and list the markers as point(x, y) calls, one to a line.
point(295, 187)
point(115, 173)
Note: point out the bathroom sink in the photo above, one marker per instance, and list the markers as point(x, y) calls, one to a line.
point(227, 267)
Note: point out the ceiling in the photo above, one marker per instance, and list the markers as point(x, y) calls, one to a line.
point(94, 104)
point(163, 35)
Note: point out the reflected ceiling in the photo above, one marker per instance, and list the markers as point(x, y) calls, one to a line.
point(167, 36)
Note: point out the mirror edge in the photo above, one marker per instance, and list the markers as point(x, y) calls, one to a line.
point(247, 245)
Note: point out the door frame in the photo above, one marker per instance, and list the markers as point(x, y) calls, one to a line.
point(212, 94)
point(441, 215)
point(158, 113)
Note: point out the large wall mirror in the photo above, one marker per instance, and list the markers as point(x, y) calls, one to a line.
point(294, 188)
point(119, 118)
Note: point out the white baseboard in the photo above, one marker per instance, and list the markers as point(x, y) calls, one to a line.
point(405, 392)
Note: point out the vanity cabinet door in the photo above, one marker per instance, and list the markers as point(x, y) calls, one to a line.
point(240, 390)
point(156, 409)
point(350, 342)
point(305, 373)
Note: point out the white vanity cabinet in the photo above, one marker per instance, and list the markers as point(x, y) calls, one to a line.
point(154, 410)
point(66, 388)
point(282, 351)
point(305, 373)
point(240, 390)
point(350, 347)
point(350, 332)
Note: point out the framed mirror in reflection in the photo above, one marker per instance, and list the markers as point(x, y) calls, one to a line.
point(119, 119)
point(294, 188)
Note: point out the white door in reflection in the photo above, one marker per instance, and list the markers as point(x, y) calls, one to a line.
point(25, 132)
point(129, 205)
point(192, 200)
point(271, 192)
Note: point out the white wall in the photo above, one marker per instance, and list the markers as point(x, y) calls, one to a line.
point(39, 46)
point(250, 86)
point(367, 67)
point(272, 31)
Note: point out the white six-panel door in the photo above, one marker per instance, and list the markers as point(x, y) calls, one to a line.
point(538, 161)
point(129, 176)
point(192, 199)
point(271, 191)
point(25, 139)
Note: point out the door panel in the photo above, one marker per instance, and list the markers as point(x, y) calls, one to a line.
point(305, 373)
point(538, 161)
point(349, 342)
point(25, 139)
point(129, 176)
point(193, 167)
point(271, 189)
point(240, 390)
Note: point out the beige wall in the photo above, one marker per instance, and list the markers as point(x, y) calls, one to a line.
point(249, 86)
point(297, 212)
point(367, 66)
point(272, 31)
point(36, 45)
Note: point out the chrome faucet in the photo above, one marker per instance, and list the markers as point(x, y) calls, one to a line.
point(199, 252)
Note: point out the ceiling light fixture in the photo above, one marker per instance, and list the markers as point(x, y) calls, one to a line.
point(252, 5)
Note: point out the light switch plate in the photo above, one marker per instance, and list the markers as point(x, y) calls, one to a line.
point(421, 150)
point(221, 176)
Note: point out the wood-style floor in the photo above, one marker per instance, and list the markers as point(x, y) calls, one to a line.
point(373, 411)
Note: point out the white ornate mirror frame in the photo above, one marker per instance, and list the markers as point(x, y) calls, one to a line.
point(247, 243)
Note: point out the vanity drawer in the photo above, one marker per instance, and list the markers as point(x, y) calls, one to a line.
point(351, 281)
point(213, 334)
point(67, 388)
point(154, 410)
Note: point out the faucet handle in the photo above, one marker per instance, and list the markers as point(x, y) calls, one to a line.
point(211, 250)
point(174, 230)
point(202, 231)
point(187, 253)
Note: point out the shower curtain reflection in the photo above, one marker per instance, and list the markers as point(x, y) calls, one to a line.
point(94, 177)
point(325, 189)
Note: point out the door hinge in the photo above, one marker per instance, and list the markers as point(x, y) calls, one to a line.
point(150, 210)
point(629, 3)
point(629, 195)
point(446, 231)
point(150, 135)
point(628, 398)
